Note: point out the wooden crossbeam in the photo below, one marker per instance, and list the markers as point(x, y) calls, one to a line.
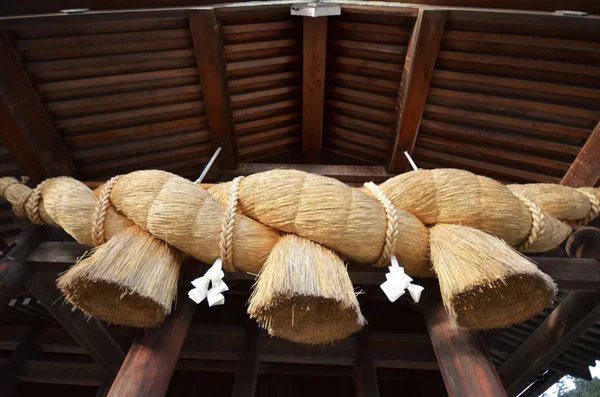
point(27, 131)
point(463, 360)
point(313, 85)
point(206, 34)
point(414, 86)
point(585, 170)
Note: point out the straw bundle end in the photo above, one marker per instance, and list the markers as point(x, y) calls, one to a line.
point(304, 294)
point(484, 283)
point(130, 280)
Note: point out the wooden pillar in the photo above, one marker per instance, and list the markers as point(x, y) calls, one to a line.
point(418, 70)
point(313, 86)
point(246, 374)
point(463, 360)
point(206, 34)
point(365, 374)
point(151, 360)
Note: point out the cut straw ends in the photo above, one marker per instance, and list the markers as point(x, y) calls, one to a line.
point(485, 284)
point(130, 280)
point(304, 294)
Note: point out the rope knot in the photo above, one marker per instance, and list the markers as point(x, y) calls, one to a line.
point(391, 232)
point(226, 243)
point(537, 224)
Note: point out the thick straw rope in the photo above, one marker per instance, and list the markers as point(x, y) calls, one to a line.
point(594, 211)
point(98, 236)
point(537, 223)
point(391, 232)
point(226, 244)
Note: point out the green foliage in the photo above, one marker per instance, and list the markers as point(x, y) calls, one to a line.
point(582, 388)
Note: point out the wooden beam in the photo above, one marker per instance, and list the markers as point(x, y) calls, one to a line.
point(27, 131)
point(89, 332)
point(206, 34)
point(414, 86)
point(151, 360)
point(246, 374)
point(585, 170)
point(313, 85)
point(463, 360)
point(572, 274)
point(575, 315)
point(9, 372)
point(365, 374)
point(345, 173)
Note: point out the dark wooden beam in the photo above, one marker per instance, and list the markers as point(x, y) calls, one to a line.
point(88, 332)
point(151, 360)
point(572, 274)
point(9, 372)
point(365, 374)
point(27, 131)
point(206, 34)
point(246, 374)
point(313, 86)
point(575, 315)
point(345, 173)
point(462, 357)
point(414, 86)
point(585, 170)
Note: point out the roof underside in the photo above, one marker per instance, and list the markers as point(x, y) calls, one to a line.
point(513, 96)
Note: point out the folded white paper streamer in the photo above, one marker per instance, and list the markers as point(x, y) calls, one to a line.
point(397, 282)
point(213, 276)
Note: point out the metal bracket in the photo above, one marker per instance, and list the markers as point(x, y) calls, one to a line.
point(316, 9)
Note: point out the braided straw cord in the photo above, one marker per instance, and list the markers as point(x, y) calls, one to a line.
point(226, 244)
point(98, 237)
point(391, 232)
point(537, 223)
point(33, 207)
point(593, 212)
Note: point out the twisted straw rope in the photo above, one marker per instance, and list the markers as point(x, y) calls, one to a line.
point(391, 232)
point(537, 223)
point(98, 236)
point(593, 212)
point(226, 244)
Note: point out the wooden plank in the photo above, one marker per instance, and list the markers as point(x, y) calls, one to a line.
point(414, 87)
point(365, 374)
point(585, 170)
point(463, 360)
point(313, 92)
point(206, 33)
point(246, 374)
point(572, 274)
point(29, 133)
point(152, 358)
point(89, 332)
point(9, 372)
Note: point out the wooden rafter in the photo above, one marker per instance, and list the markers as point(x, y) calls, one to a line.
point(585, 170)
point(462, 357)
point(206, 34)
point(418, 71)
point(575, 314)
point(27, 131)
point(313, 82)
